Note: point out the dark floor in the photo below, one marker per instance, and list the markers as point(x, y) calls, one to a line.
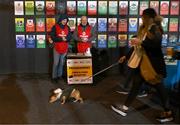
point(24, 99)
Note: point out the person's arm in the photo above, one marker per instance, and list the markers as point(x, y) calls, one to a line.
point(75, 35)
point(126, 56)
point(154, 38)
point(93, 34)
point(53, 35)
point(69, 36)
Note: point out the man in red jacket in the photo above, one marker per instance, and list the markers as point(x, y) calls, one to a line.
point(60, 35)
point(84, 34)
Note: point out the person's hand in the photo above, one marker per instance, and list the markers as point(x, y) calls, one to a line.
point(84, 39)
point(64, 39)
point(50, 40)
point(122, 59)
point(134, 41)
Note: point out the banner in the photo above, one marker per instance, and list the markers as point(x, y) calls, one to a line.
point(113, 6)
point(112, 41)
point(50, 7)
point(81, 8)
point(41, 41)
point(29, 7)
point(173, 24)
point(112, 24)
point(102, 7)
point(72, 23)
point(155, 6)
point(30, 41)
point(122, 25)
point(18, 8)
point(79, 71)
point(60, 7)
point(40, 24)
point(122, 40)
point(20, 41)
point(133, 10)
point(92, 22)
point(133, 24)
point(173, 39)
point(164, 8)
point(92, 7)
point(39, 6)
point(102, 24)
point(50, 22)
point(165, 40)
point(174, 8)
point(30, 26)
point(165, 24)
point(143, 5)
point(123, 7)
point(102, 41)
point(71, 7)
point(19, 24)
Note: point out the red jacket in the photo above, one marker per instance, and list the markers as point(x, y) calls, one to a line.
point(82, 46)
point(61, 46)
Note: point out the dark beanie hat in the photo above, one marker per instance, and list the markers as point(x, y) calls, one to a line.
point(62, 17)
point(150, 12)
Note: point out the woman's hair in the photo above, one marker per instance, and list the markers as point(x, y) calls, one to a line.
point(151, 13)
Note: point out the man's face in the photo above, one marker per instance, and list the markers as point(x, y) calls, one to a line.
point(84, 21)
point(64, 22)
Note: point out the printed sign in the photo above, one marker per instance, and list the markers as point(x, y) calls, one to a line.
point(79, 71)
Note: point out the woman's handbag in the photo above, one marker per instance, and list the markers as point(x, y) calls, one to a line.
point(148, 72)
point(135, 57)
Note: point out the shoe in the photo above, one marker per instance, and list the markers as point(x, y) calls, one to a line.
point(119, 109)
point(165, 117)
point(124, 92)
point(142, 94)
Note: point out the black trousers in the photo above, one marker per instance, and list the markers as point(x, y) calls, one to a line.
point(137, 83)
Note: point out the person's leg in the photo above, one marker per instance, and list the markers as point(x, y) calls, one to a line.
point(129, 78)
point(125, 86)
point(163, 95)
point(137, 82)
point(56, 57)
point(143, 92)
point(61, 65)
point(166, 115)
